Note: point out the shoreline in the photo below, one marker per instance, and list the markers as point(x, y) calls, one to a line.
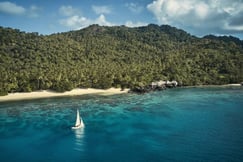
point(224, 85)
point(49, 94)
point(18, 96)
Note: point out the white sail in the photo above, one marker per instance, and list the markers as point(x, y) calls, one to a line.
point(77, 119)
point(79, 122)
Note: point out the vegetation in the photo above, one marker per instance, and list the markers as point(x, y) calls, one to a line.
point(104, 57)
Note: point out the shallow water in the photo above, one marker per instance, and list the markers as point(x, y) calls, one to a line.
point(184, 124)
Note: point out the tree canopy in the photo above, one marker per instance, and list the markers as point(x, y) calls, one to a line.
point(104, 57)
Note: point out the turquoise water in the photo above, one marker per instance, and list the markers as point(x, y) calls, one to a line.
point(184, 124)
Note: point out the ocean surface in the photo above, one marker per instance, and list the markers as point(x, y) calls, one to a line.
point(182, 124)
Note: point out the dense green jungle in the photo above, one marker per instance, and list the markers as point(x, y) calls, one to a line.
point(118, 56)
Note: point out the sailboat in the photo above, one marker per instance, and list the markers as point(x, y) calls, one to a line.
point(79, 122)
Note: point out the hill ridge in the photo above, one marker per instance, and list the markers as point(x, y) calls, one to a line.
point(104, 57)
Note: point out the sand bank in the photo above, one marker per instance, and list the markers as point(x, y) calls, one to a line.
point(47, 93)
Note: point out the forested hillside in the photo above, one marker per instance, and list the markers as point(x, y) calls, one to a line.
point(103, 57)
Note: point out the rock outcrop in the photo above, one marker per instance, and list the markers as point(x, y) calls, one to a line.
point(155, 86)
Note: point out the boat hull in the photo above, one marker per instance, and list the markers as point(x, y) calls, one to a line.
point(79, 126)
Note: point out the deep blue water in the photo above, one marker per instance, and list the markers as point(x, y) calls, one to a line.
point(184, 124)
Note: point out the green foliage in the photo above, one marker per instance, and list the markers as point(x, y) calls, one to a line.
point(62, 86)
point(104, 57)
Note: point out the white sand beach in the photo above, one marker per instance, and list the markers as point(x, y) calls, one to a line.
point(224, 85)
point(48, 93)
point(233, 84)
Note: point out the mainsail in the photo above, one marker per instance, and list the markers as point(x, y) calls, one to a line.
point(78, 122)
